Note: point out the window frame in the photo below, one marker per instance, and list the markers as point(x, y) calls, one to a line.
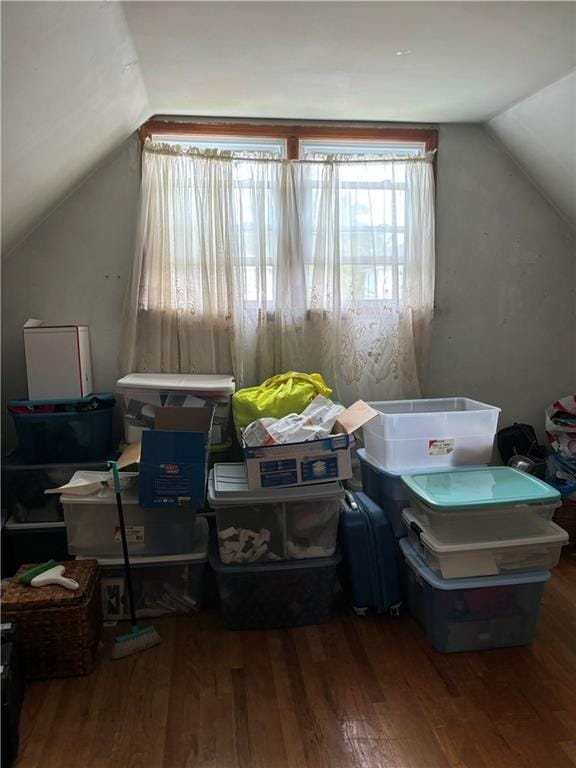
point(292, 133)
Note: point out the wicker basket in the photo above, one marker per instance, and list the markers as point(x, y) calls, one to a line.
point(59, 629)
point(565, 516)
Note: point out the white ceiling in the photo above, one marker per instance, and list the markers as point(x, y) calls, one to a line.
point(79, 77)
point(323, 60)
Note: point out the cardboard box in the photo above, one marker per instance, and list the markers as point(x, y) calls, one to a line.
point(58, 364)
point(173, 458)
point(316, 461)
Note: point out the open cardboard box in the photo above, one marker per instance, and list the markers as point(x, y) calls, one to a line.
point(172, 457)
point(315, 461)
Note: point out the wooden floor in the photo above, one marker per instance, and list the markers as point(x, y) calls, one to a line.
point(356, 692)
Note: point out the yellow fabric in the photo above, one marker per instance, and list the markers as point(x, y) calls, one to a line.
point(276, 397)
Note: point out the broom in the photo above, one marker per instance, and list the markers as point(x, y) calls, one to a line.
point(139, 638)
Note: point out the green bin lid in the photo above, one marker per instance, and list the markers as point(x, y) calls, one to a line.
point(467, 488)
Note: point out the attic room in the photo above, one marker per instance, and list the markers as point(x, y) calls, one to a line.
point(288, 384)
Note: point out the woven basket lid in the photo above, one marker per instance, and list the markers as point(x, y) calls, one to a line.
point(21, 597)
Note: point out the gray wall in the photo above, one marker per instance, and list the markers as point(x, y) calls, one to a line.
point(73, 269)
point(504, 332)
point(505, 323)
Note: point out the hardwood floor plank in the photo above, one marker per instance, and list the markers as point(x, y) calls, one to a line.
point(356, 692)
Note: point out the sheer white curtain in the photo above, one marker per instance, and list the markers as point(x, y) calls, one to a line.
point(256, 265)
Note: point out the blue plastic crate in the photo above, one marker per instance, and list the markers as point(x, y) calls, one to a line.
point(387, 490)
point(64, 435)
point(472, 614)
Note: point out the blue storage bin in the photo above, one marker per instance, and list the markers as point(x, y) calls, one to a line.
point(386, 489)
point(63, 436)
point(472, 614)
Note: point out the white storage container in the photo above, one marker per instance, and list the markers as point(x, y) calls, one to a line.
point(485, 545)
point(142, 393)
point(163, 585)
point(58, 361)
point(445, 432)
point(93, 530)
point(274, 524)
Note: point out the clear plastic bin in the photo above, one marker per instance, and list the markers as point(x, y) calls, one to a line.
point(142, 393)
point(472, 614)
point(275, 595)
point(464, 546)
point(164, 585)
point(272, 524)
point(445, 432)
point(93, 530)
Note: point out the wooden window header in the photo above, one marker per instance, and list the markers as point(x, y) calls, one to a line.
point(292, 133)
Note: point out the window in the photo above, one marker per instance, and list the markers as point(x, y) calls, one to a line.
point(372, 231)
point(301, 247)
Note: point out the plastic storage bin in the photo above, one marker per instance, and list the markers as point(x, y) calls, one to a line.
point(491, 544)
point(386, 489)
point(142, 393)
point(275, 595)
point(164, 585)
point(93, 531)
point(23, 487)
point(47, 434)
point(35, 542)
point(472, 614)
point(272, 524)
point(446, 432)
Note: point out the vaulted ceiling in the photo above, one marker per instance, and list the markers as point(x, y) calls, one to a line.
point(79, 77)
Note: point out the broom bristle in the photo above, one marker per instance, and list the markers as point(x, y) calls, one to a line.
point(135, 641)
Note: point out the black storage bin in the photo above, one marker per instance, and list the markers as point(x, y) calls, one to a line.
point(35, 542)
point(268, 595)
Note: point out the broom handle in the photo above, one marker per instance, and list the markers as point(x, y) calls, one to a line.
point(121, 520)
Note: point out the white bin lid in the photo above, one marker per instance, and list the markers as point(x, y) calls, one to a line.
point(199, 553)
point(184, 381)
point(228, 486)
point(500, 531)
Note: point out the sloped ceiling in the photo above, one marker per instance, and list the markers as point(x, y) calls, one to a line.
point(540, 133)
point(72, 91)
point(79, 77)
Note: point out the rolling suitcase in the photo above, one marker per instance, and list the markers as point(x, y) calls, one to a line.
point(370, 563)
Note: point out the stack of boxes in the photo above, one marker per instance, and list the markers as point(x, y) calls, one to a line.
point(477, 541)
point(61, 428)
point(171, 423)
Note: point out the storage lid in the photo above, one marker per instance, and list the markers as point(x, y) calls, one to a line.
point(509, 580)
point(187, 381)
point(13, 525)
point(465, 534)
point(21, 597)
point(467, 488)
point(198, 554)
point(228, 486)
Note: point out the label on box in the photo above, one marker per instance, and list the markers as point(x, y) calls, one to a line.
point(134, 534)
point(441, 447)
point(324, 468)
